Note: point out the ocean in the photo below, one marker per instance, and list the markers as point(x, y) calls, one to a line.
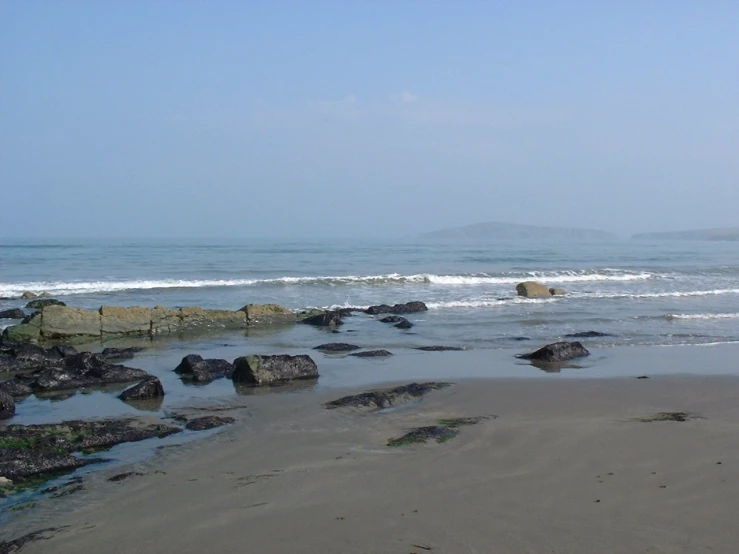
point(637, 292)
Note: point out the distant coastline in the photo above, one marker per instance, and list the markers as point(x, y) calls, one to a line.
point(499, 230)
point(727, 234)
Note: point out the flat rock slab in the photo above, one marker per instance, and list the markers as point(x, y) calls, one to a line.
point(208, 422)
point(440, 348)
point(266, 370)
point(372, 354)
point(337, 347)
point(587, 335)
point(385, 398)
point(557, 352)
point(438, 433)
point(407, 308)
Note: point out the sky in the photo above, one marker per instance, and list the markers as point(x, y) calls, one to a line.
point(366, 118)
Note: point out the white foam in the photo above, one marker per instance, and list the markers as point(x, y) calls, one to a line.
point(666, 294)
point(704, 316)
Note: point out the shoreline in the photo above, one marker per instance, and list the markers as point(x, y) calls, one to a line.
point(293, 476)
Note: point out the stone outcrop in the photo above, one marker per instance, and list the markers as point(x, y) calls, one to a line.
point(28, 295)
point(41, 303)
point(532, 289)
point(323, 319)
point(557, 352)
point(407, 308)
point(15, 313)
point(7, 405)
point(58, 322)
point(385, 398)
point(198, 370)
point(147, 389)
point(265, 370)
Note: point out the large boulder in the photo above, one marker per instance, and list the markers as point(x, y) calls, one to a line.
point(62, 322)
point(41, 303)
point(407, 308)
point(28, 295)
point(268, 314)
point(7, 405)
point(532, 289)
point(557, 352)
point(22, 333)
point(15, 313)
point(197, 369)
point(264, 370)
point(135, 320)
point(147, 389)
point(324, 319)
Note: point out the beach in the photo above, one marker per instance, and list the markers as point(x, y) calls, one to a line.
point(558, 466)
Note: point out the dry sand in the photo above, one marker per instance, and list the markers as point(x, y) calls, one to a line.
point(564, 469)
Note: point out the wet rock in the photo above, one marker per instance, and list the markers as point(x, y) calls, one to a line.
point(372, 354)
point(532, 289)
point(587, 335)
point(557, 292)
point(519, 339)
point(15, 313)
point(28, 295)
point(407, 308)
point(33, 450)
point(264, 370)
point(268, 314)
point(405, 324)
point(557, 352)
point(122, 476)
point(64, 350)
point(437, 433)
point(436, 348)
point(7, 405)
point(146, 390)
point(326, 319)
point(393, 319)
point(80, 372)
point(7, 547)
point(16, 389)
point(202, 371)
point(337, 347)
point(120, 353)
point(208, 422)
point(385, 398)
point(41, 303)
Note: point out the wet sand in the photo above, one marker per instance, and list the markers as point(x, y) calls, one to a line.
point(564, 468)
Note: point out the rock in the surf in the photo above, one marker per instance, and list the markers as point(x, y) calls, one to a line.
point(372, 354)
point(264, 370)
point(405, 324)
point(202, 371)
point(557, 352)
point(337, 347)
point(557, 292)
point(7, 405)
point(532, 289)
point(145, 390)
point(587, 335)
point(15, 313)
point(407, 308)
point(41, 303)
point(28, 295)
point(324, 319)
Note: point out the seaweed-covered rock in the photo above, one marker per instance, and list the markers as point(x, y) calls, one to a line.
point(194, 367)
point(264, 370)
point(80, 372)
point(41, 303)
point(372, 354)
point(557, 352)
point(385, 398)
point(145, 390)
point(438, 433)
point(337, 347)
point(439, 348)
point(14, 313)
point(325, 319)
point(586, 335)
point(43, 449)
point(407, 308)
point(7, 405)
point(120, 353)
point(208, 422)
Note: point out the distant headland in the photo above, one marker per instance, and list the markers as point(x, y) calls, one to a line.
point(508, 231)
point(728, 234)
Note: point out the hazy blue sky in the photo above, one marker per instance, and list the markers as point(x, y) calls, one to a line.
point(376, 118)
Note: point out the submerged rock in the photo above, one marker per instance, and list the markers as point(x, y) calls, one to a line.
point(407, 308)
point(393, 319)
point(121, 353)
point(439, 348)
point(202, 371)
point(146, 390)
point(587, 335)
point(41, 303)
point(405, 324)
point(532, 289)
point(557, 352)
point(7, 405)
point(325, 319)
point(208, 422)
point(15, 313)
point(372, 354)
point(438, 433)
point(385, 398)
point(337, 347)
point(264, 370)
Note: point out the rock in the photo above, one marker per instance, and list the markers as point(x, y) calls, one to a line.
point(198, 319)
point(532, 289)
point(41, 303)
point(264, 370)
point(81, 371)
point(405, 324)
point(268, 314)
point(587, 335)
point(439, 348)
point(16, 389)
point(337, 347)
point(125, 475)
point(438, 433)
point(393, 319)
point(7, 405)
point(165, 321)
point(557, 292)
point(28, 295)
point(407, 308)
point(325, 319)
point(519, 339)
point(203, 371)
point(59, 322)
point(23, 332)
point(385, 398)
point(147, 389)
point(65, 350)
point(44, 449)
point(45, 294)
point(372, 354)
point(208, 422)
point(15, 313)
point(120, 353)
point(134, 320)
point(557, 352)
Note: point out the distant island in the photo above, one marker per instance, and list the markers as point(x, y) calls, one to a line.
point(730, 234)
point(508, 231)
